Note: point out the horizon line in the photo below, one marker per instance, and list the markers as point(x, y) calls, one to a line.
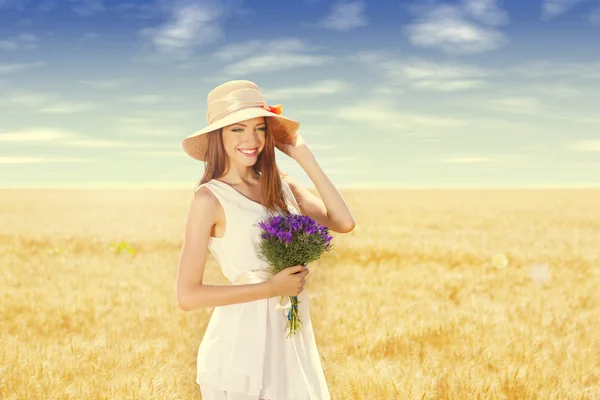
point(346, 187)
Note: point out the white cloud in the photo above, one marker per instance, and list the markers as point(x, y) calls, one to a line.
point(510, 160)
point(27, 37)
point(276, 55)
point(345, 15)
point(190, 24)
point(553, 8)
point(21, 41)
point(382, 115)
point(386, 89)
point(447, 27)
point(238, 51)
point(317, 146)
point(107, 143)
point(451, 86)
point(42, 102)
point(89, 36)
point(517, 104)
point(22, 99)
point(41, 160)
point(24, 22)
point(567, 69)
point(9, 68)
point(148, 115)
point(553, 90)
point(151, 99)
point(156, 153)
point(342, 159)
point(318, 88)
point(9, 5)
point(100, 144)
point(36, 135)
point(485, 11)
point(103, 83)
point(145, 10)
point(425, 75)
point(585, 145)
point(8, 45)
point(525, 105)
point(595, 16)
point(86, 8)
point(343, 171)
point(68, 107)
point(63, 137)
point(46, 6)
point(147, 127)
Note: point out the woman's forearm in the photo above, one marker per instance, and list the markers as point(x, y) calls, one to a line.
point(208, 296)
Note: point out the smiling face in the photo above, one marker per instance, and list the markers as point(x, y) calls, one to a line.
point(243, 141)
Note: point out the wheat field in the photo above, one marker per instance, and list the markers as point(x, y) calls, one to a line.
point(436, 294)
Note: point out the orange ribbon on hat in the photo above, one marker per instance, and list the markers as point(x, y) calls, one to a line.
point(274, 109)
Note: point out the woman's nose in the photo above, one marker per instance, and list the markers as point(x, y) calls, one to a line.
point(251, 137)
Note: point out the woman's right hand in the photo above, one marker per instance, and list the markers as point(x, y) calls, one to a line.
point(290, 281)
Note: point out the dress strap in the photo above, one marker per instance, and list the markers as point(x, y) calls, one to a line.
point(221, 195)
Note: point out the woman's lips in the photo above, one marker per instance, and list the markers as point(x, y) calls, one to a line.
point(249, 154)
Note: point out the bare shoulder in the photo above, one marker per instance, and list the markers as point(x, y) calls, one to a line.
point(204, 204)
point(204, 194)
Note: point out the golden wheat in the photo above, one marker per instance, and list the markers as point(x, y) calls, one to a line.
point(410, 305)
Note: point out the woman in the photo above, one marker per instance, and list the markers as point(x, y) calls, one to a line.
point(245, 352)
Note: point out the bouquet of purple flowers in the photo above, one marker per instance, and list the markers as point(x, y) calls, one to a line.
point(289, 240)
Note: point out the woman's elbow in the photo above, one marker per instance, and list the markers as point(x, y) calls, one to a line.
point(347, 228)
point(182, 302)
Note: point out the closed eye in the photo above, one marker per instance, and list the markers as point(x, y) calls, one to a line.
point(241, 130)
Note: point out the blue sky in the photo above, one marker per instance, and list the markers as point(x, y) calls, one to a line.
point(474, 93)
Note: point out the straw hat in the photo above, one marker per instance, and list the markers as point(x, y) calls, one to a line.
point(237, 101)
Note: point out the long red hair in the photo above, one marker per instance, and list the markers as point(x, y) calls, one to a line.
point(216, 161)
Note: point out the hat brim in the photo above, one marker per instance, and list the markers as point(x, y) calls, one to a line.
point(282, 128)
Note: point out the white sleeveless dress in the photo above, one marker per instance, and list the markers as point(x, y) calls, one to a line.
point(245, 352)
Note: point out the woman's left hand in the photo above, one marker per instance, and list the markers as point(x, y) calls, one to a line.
point(292, 148)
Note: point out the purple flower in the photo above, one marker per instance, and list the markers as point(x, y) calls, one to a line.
point(292, 239)
point(310, 237)
point(288, 237)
